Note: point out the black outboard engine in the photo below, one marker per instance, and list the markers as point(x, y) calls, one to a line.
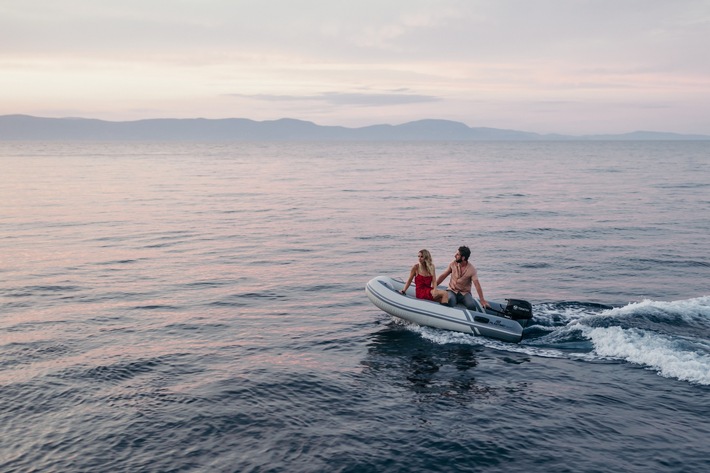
point(519, 310)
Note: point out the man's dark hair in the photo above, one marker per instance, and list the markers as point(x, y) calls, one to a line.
point(464, 252)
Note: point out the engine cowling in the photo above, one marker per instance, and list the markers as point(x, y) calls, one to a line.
point(520, 310)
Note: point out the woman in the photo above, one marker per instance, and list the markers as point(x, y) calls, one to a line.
point(424, 275)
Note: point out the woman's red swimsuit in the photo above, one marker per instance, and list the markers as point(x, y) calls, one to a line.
point(423, 287)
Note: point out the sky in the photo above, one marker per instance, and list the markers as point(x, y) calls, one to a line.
point(545, 66)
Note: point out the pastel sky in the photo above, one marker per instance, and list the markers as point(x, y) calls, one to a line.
point(567, 66)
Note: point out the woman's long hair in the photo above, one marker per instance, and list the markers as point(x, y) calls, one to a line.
point(427, 263)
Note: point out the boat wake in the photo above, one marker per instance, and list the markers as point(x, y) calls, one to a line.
point(671, 338)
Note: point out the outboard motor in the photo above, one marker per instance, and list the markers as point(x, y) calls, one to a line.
point(519, 310)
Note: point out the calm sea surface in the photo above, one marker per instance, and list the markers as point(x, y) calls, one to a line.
point(201, 307)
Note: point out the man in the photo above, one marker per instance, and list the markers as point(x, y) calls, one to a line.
point(463, 276)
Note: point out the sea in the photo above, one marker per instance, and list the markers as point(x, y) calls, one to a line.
point(200, 307)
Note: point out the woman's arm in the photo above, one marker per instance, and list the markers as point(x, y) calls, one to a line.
point(412, 273)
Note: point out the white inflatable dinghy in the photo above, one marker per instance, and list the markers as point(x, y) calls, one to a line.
point(502, 321)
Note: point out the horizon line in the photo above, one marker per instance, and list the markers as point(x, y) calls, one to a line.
point(697, 136)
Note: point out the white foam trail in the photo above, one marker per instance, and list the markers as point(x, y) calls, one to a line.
point(689, 308)
point(652, 350)
point(550, 315)
point(677, 357)
point(443, 337)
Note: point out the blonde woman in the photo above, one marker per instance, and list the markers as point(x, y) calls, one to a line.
point(424, 275)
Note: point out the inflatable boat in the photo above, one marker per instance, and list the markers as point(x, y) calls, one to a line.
point(501, 321)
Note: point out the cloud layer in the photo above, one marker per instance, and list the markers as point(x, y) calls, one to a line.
point(571, 66)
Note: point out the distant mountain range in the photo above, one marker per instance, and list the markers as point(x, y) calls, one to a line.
point(24, 127)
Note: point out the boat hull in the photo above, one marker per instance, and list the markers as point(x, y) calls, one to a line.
point(384, 292)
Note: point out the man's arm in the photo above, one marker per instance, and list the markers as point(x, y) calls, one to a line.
point(479, 290)
point(443, 275)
